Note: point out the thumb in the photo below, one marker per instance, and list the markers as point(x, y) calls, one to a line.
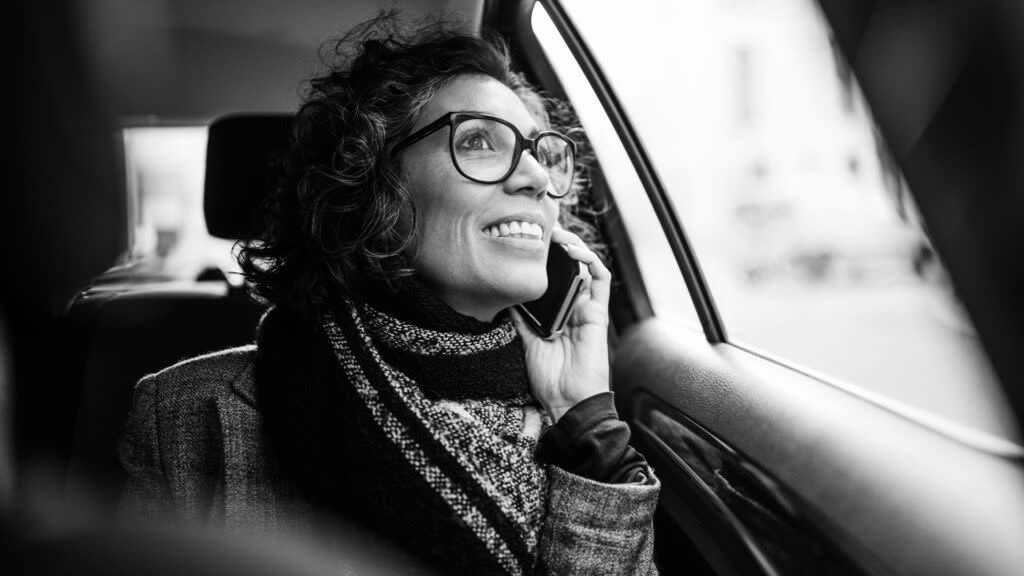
point(525, 332)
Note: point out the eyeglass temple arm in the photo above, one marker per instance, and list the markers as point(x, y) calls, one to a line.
point(424, 132)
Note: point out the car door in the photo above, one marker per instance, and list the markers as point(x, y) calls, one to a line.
point(788, 348)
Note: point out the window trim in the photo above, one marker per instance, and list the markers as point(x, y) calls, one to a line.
point(711, 322)
point(514, 20)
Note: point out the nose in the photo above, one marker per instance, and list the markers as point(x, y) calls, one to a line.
point(529, 177)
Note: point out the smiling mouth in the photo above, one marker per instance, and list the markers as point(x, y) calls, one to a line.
point(515, 229)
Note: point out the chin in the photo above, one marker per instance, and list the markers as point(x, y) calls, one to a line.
point(525, 289)
point(506, 283)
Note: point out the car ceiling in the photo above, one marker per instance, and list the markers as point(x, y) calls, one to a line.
point(169, 61)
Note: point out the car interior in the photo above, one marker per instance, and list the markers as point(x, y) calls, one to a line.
point(767, 467)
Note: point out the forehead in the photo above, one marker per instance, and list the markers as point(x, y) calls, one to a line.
point(479, 94)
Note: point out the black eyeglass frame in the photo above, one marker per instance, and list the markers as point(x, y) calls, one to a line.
point(453, 119)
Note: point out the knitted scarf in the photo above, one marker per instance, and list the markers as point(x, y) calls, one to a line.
point(420, 438)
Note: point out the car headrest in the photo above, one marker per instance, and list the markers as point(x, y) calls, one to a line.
point(241, 170)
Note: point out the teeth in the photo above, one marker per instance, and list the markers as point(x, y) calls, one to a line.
point(517, 229)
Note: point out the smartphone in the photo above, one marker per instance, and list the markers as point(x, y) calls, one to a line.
point(548, 314)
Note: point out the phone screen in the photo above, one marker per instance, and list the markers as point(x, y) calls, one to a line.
point(549, 313)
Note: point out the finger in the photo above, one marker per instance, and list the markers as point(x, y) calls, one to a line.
point(597, 268)
point(587, 278)
point(600, 285)
point(563, 236)
point(525, 332)
point(583, 300)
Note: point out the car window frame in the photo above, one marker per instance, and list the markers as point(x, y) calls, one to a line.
point(515, 20)
point(528, 49)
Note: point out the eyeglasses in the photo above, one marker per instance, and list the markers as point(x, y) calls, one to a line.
point(487, 149)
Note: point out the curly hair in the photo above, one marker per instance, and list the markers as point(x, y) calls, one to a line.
point(341, 218)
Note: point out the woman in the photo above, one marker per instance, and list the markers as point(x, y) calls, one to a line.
point(393, 385)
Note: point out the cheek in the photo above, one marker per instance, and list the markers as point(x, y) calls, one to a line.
point(438, 211)
point(439, 231)
point(553, 209)
point(444, 216)
point(426, 189)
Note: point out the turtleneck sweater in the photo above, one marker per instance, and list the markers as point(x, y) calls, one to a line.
point(440, 403)
point(589, 440)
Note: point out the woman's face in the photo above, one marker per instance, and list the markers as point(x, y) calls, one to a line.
point(474, 271)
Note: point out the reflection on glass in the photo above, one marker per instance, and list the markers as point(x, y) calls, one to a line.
point(801, 223)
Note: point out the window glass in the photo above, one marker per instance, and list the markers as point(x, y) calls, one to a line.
point(665, 285)
point(802, 225)
point(165, 167)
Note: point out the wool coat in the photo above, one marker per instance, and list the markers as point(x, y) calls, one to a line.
point(194, 447)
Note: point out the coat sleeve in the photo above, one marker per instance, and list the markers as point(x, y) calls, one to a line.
point(602, 495)
point(146, 492)
point(590, 441)
point(597, 528)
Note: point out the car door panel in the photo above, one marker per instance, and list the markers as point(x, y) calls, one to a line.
point(892, 495)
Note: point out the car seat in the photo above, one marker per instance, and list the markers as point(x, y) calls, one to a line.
point(119, 329)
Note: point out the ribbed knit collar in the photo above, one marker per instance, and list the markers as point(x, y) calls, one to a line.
point(416, 303)
point(450, 355)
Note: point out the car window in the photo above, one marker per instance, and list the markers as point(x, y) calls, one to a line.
point(164, 170)
point(800, 221)
point(665, 284)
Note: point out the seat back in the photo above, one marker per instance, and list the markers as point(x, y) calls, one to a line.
point(127, 332)
point(116, 332)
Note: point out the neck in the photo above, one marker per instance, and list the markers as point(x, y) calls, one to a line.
point(467, 305)
point(484, 312)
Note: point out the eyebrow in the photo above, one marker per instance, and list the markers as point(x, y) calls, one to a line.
point(531, 134)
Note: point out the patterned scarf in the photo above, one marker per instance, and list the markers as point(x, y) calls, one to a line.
point(452, 477)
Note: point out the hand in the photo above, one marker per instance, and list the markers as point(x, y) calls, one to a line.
point(573, 366)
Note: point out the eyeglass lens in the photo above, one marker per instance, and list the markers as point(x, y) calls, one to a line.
point(485, 149)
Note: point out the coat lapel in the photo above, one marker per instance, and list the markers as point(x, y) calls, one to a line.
point(254, 491)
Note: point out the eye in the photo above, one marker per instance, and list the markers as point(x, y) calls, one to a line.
point(476, 140)
point(550, 156)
